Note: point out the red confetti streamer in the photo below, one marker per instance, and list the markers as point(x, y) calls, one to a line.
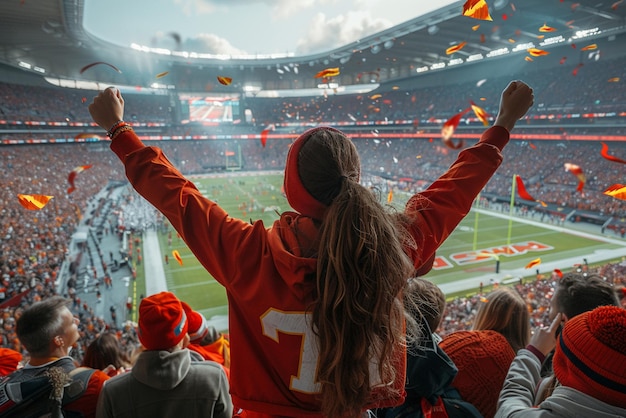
point(33, 201)
point(523, 193)
point(605, 154)
point(449, 127)
point(265, 132)
point(93, 64)
point(562, 60)
point(575, 70)
point(73, 174)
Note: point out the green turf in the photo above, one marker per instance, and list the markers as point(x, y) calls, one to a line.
point(194, 285)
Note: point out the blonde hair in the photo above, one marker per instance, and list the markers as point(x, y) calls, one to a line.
point(362, 270)
point(505, 311)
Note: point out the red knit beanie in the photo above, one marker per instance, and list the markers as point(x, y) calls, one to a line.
point(483, 359)
point(590, 354)
point(297, 195)
point(9, 360)
point(197, 327)
point(162, 321)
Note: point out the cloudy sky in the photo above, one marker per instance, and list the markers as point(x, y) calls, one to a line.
point(249, 26)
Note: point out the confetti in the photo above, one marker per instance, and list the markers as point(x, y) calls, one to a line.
point(265, 132)
point(33, 201)
point(617, 191)
point(605, 154)
point(533, 263)
point(613, 80)
point(74, 173)
point(521, 191)
point(328, 72)
point(480, 113)
point(448, 128)
point(177, 256)
point(476, 9)
point(578, 172)
point(546, 28)
point(590, 47)
point(93, 64)
point(535, 52)
point(224, 80)
point(455, 48)
point(163, 74)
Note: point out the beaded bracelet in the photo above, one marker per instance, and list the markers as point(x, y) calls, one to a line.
point(116, 125)
point(119, 130)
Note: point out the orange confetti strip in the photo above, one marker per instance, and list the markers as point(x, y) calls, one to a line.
point(86, 136)
point(511, 40)
point(476, 9)
point(533, 263)
point(617, 3)
point(480, 113)
point(484, 299)
point(33, 201)
point(475, 27)
point(455, 48)
point(73, 174)
point(93, 64)
point(224, 80)
point(589, 47)
point(390, 196)
point(163, 74)
point(546, 28)
point(328, 72)
point(535, 52)
point(613, 80)
point(376, 96)
point(540, 36)
point(177, 256)
point(605, 154)
point(529, 59)
point(533, 146)
point(617, 191)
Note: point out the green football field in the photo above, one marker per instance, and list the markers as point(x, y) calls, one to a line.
point(467, 254)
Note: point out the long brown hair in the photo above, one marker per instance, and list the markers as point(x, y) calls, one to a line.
point(361, 272)
point(105, 350)
point(505, 311)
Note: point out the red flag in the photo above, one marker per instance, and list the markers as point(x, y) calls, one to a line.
point(448, 128)
point(74, 173)
point(578, 172)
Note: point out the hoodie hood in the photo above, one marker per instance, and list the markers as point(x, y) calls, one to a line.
point(162, 370)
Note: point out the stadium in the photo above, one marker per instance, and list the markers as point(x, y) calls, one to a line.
point(104, 247)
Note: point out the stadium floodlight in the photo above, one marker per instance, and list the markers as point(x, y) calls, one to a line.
point(552, 40)
point(475, 57)
point(39, 70)
point(24, 65)
point(586, 33)
point(498, 52)
point(523, 47)
point(455, 61)
point(422, 69)
point(438, 66)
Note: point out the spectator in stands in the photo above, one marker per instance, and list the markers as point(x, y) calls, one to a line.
point(48, 330)
point(336, 268)
point(503, 310)
point(164, 382)
point(574, 294)
point(430, 371)
point(589, 364)
point(105, 353)
point(205, 343)
point(482, 358)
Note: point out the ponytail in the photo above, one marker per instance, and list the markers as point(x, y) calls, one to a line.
point(361, 271)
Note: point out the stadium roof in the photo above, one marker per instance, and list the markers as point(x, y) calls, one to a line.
point(48, 38)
